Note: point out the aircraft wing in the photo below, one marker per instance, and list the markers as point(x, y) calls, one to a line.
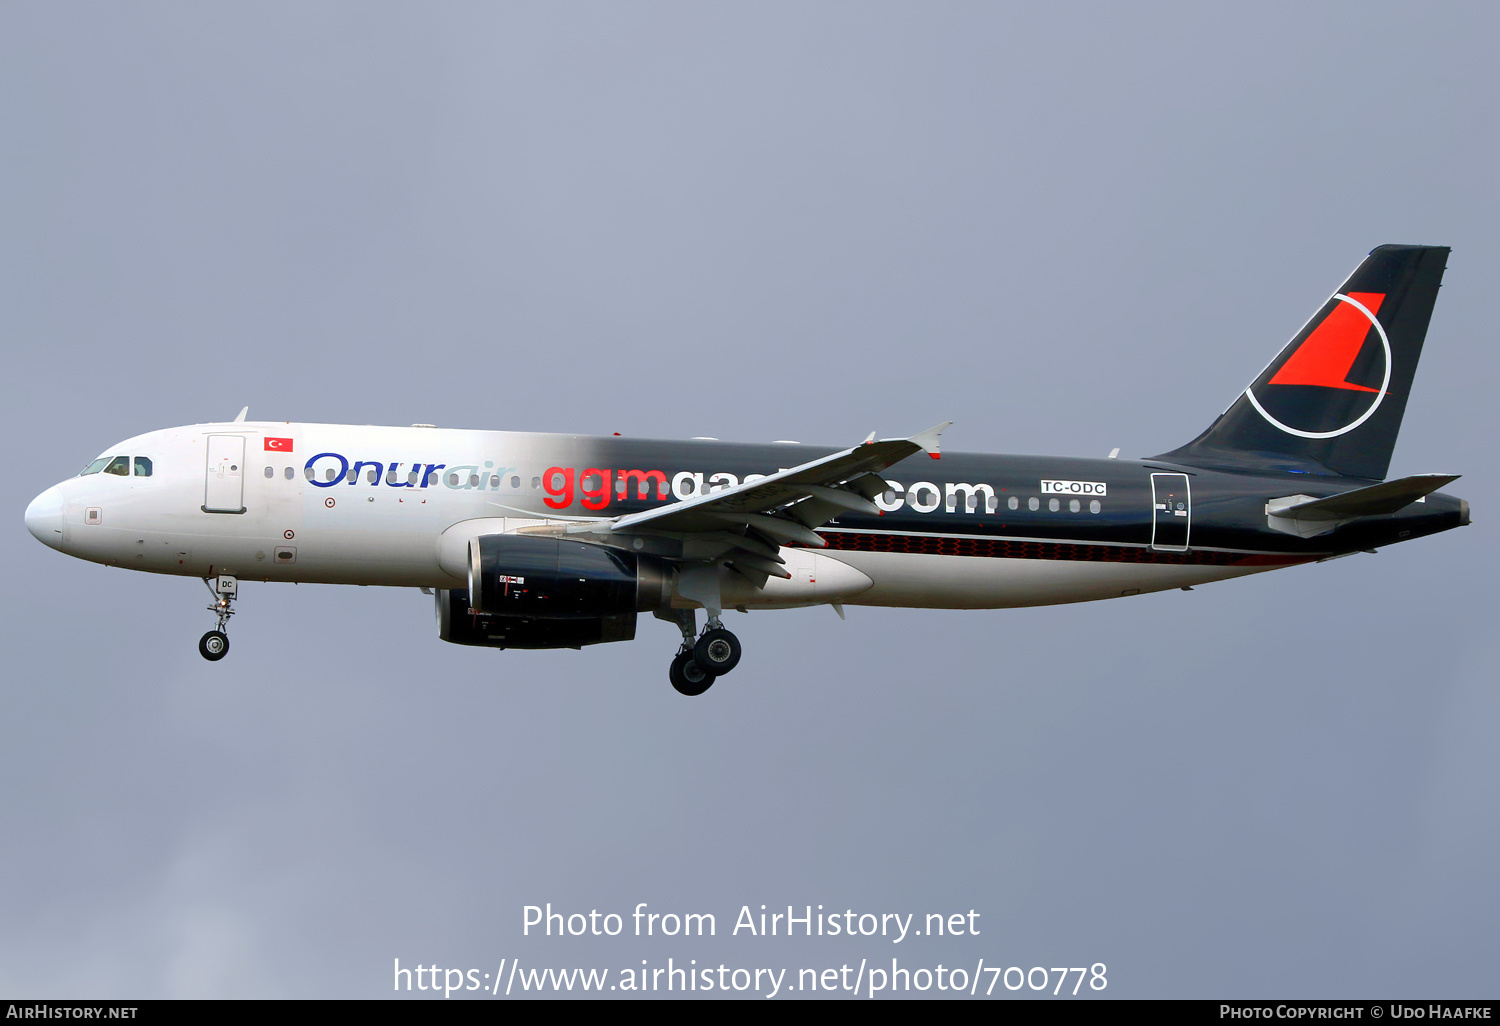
point(755, 518)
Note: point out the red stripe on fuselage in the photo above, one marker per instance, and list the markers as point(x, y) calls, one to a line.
point(1003, 548)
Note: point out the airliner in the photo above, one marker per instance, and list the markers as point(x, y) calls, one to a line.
point(558, 541)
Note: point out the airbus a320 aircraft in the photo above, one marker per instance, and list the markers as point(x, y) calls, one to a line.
point(560, 541)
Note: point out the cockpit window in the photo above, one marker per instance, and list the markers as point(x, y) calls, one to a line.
point(119, 465)
point(94, 467)
point(142, 466)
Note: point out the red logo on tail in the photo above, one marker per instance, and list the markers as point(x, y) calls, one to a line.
point(1327, 354)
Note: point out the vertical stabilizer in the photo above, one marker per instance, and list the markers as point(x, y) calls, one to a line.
point(1332, 400)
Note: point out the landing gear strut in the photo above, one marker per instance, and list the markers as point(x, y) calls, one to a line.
point(701, 659)
point(214, 645)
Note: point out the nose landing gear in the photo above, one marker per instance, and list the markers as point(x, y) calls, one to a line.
point(214, 645)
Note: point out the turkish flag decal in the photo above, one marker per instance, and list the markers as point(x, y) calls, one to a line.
point(278, 445)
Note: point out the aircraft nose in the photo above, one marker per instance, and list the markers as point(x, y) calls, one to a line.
point(44, 517)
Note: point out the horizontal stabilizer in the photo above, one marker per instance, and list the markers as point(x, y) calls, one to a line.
point(1375, 500)
point(1308, 517)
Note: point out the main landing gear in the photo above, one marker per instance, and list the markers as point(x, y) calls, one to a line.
point(704, 658)
point(214, 645)
point(687, 676)
point(717, 651)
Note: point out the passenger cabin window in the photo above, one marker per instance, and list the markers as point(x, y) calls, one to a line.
point(289, 473)
point(270, 472)
point(94, 467)
point(515, 482)
point(119, 465)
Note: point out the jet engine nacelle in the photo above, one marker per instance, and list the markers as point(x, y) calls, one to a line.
point(462, 626)
point(535, 592)
point(556, 579)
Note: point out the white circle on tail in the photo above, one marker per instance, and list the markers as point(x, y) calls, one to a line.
point(1384, 385)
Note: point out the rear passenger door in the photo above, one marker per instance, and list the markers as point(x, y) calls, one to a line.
point(1171, 513)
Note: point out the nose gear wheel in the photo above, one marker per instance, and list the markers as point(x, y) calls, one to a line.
point(214, 645)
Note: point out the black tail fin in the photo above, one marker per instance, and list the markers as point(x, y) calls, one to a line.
point(1331, 402)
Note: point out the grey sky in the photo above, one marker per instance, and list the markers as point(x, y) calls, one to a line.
point(1067, 229)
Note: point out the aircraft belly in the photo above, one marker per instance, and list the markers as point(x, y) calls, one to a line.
point(965, 582)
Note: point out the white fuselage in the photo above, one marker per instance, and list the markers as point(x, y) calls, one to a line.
point(397, 507)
